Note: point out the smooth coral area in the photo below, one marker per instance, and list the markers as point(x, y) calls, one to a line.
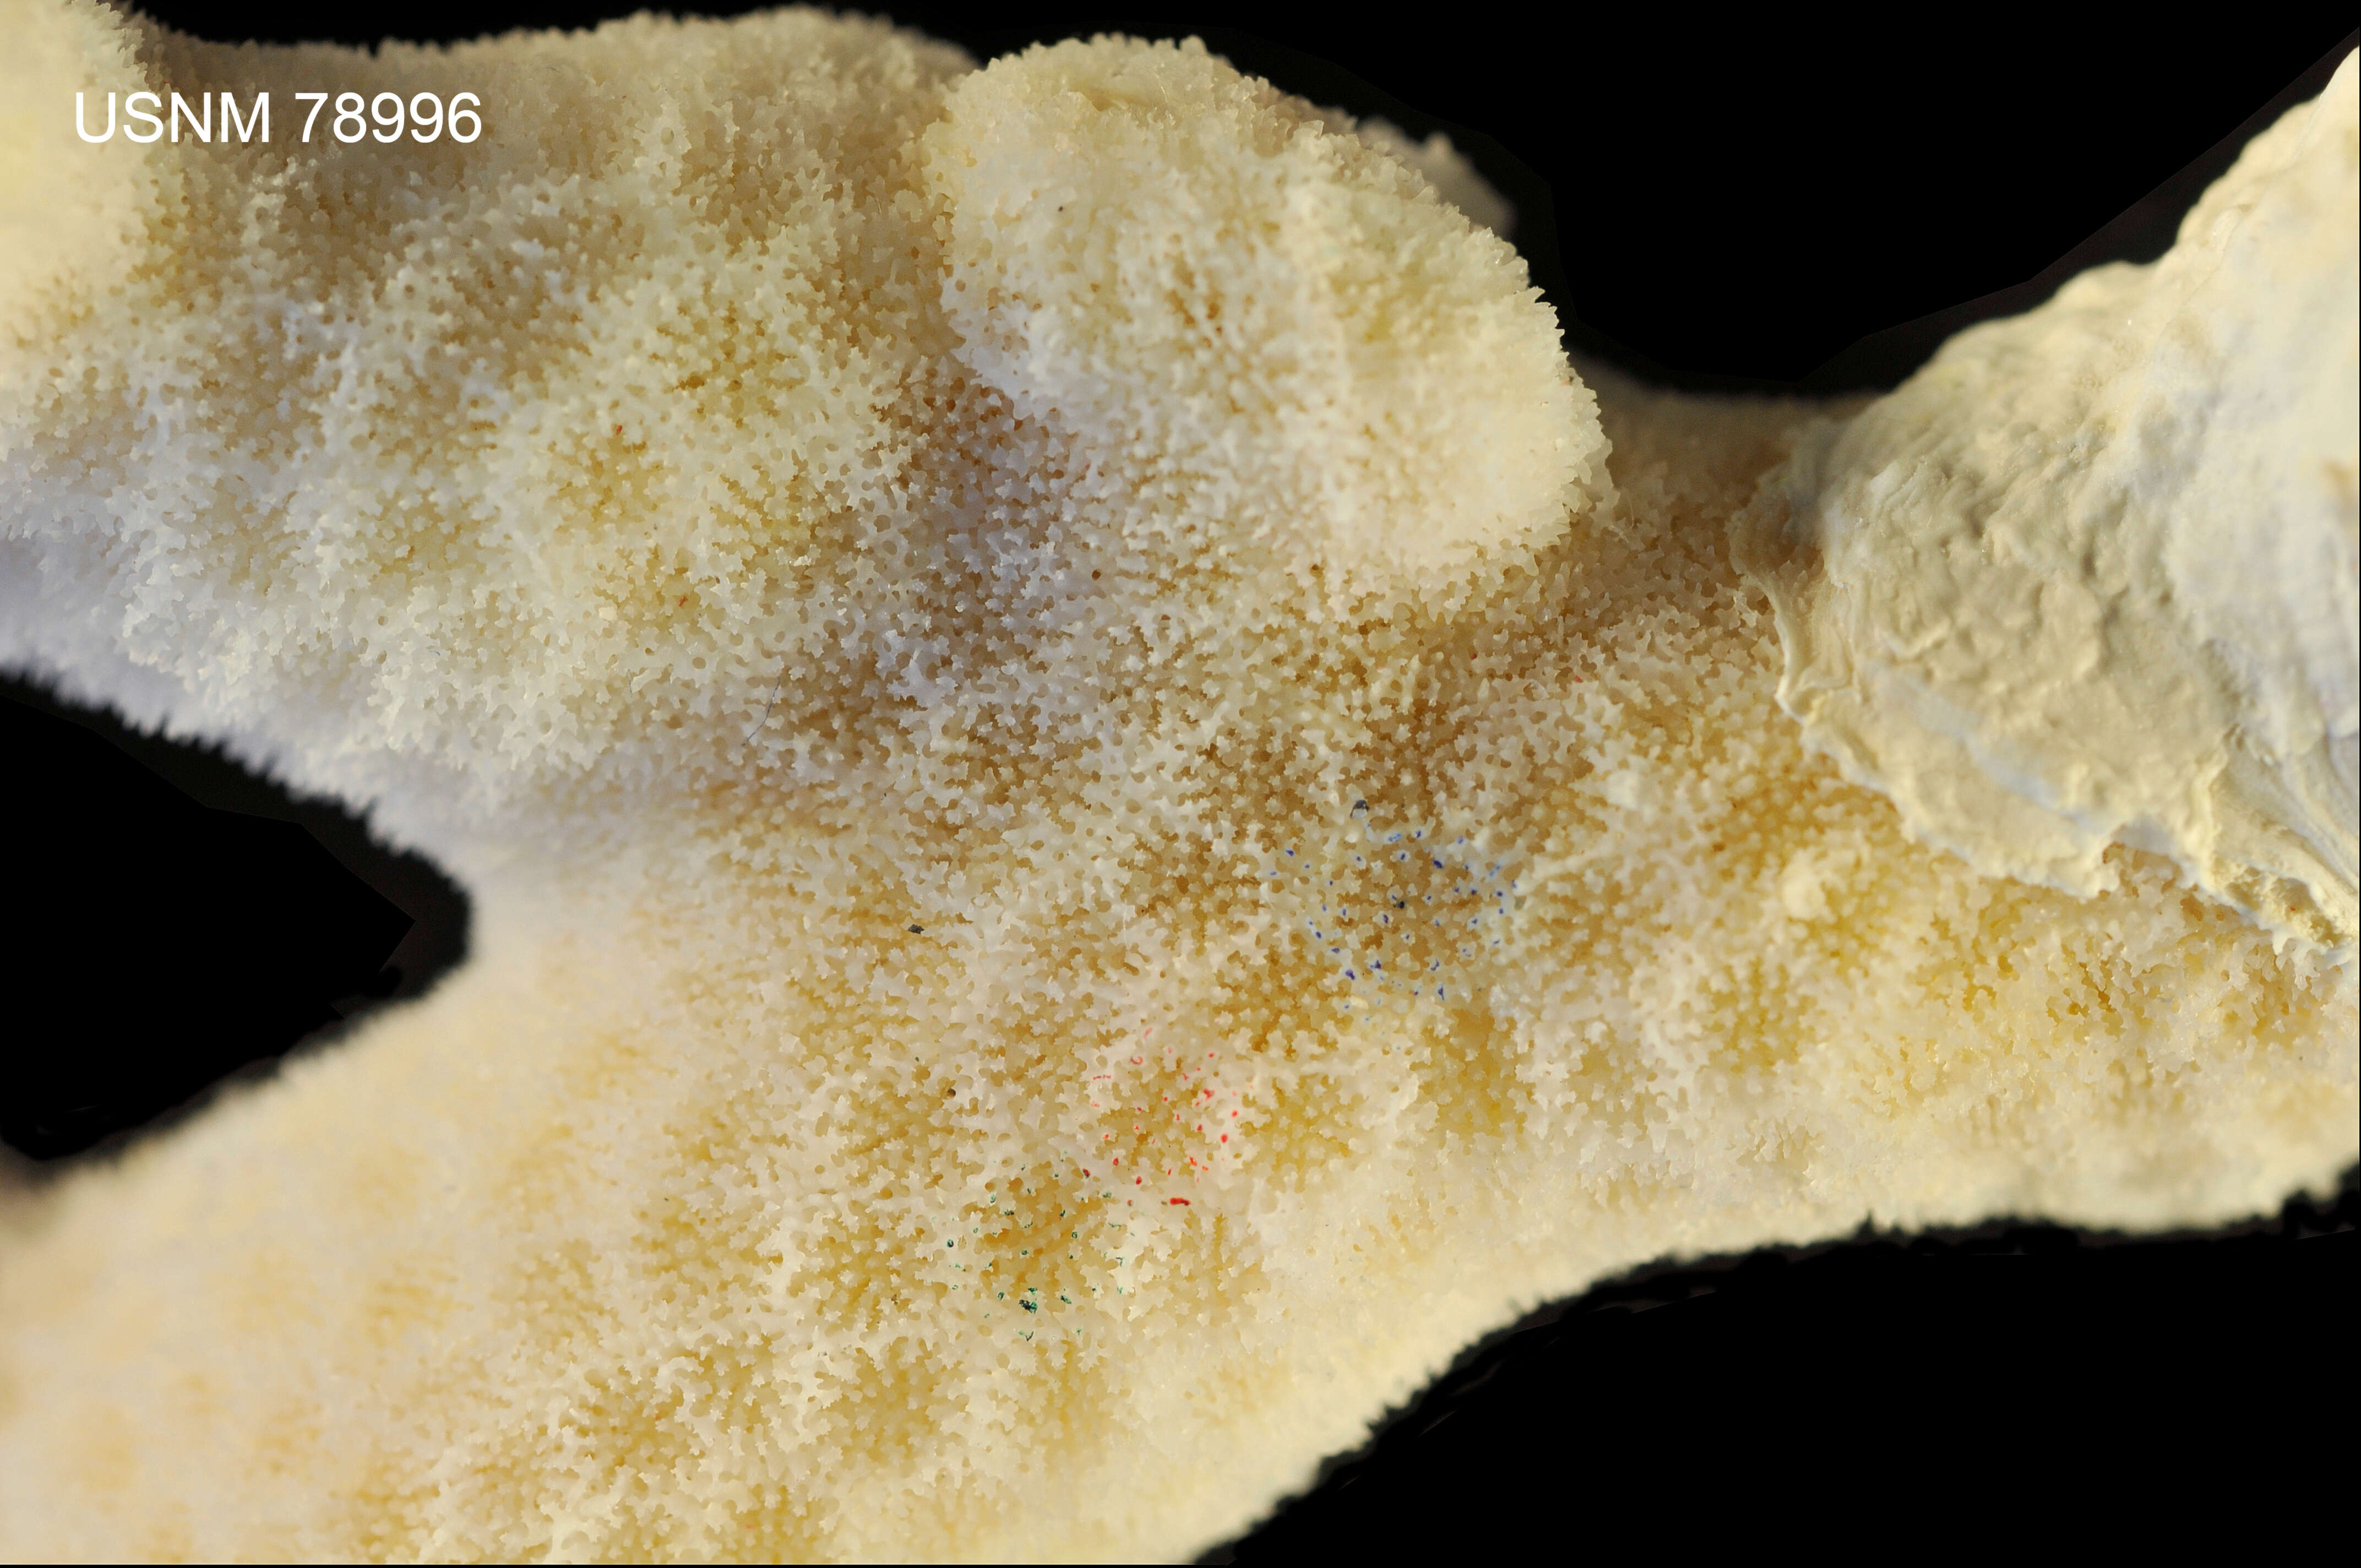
point(2089, 578)
point(1109, 811)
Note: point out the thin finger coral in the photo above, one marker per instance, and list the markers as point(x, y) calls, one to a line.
point(1109, 808)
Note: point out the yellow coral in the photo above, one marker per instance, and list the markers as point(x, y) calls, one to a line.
point(1102, 827)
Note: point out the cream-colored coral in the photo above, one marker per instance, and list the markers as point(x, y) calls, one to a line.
point(2088, 579)
point(1107, 814)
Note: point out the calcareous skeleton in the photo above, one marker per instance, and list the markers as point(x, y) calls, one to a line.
point(1109, 810)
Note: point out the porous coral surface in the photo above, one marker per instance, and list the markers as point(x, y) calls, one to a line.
point(1108, 812)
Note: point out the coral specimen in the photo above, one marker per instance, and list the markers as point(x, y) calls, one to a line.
point(2090, 578)
point(1109, 811)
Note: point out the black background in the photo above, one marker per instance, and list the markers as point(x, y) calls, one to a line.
point(1790, 202)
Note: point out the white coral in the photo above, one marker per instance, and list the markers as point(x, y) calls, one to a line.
point(2089, 578)
point(1093, 845)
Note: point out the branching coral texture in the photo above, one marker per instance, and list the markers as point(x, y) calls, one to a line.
point(1109, 812)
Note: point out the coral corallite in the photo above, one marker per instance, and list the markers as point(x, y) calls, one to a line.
point(1108, 809)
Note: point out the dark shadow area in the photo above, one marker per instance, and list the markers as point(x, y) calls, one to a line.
point(2140, 233)
point(2010, 1383)
point(176, 921)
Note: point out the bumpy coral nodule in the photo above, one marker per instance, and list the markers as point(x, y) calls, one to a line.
point(2089, 578)
point(1108, 812)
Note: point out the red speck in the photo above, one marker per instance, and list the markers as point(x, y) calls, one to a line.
point(1138, 1181)
point(1183, 1201)
point(1225, 1138)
